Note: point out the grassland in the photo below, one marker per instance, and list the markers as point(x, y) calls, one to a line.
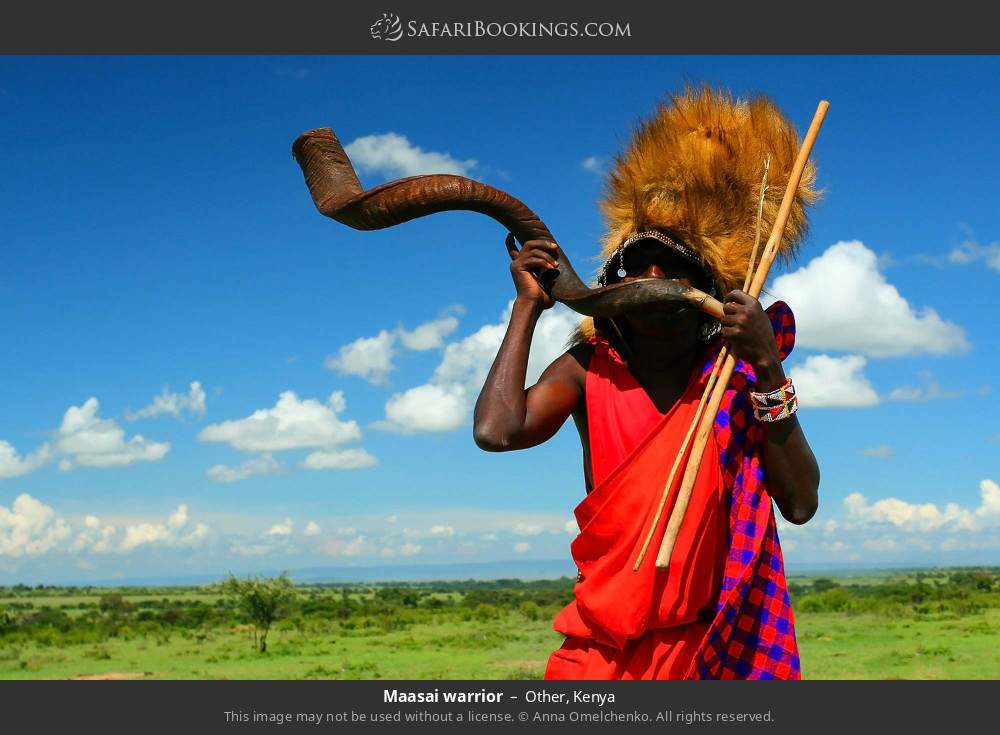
point(936, 624)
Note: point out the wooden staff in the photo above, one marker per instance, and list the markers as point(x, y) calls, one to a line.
point(709, 384)
point(708, 418)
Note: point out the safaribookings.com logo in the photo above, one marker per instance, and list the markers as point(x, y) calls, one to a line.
point(387, 28)
point(390, 28)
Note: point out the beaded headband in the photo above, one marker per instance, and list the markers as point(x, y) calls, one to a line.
point(683, 250)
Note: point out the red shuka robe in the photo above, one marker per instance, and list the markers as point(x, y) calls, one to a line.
point(645, 624)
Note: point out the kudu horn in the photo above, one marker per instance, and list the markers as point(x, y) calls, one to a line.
point(338, 194)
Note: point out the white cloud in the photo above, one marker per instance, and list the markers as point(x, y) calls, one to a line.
point(290, 424)
point(90, 441)
point(277, 539)
point(437, 533)
point(367, 357)
point(345, 459)
point(881, 544)
point(440, 531)
point(97, 537)
point(262, 465)
point(409, 549)
point(825, 381)
point(925, 517)
point(14, 465)
point(30, 528)
point(572, 527)
point(105, 543)
point(173, 403)
point(445, 402)
point(179, 518)
point(842, 301)
point(284, 528)
point(144, 533)
point(594, 164)
point(971, 251)
point(354, 547)
point(425, 408)
point(928, 390)
point(429, 335)
point(467, 362)
point(171, 533)
point(882, 451)
point(526, 529)
point(242, 549)
point(472, 522)
point(392, 155)
point(83, 439)
point(372, 358)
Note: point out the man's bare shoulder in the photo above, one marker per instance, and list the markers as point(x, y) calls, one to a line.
point(581, 354)
point(571, 366)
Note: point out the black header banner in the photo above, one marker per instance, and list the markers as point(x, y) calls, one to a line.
point(512, 27)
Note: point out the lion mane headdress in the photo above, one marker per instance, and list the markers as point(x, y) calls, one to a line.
point(692, 172)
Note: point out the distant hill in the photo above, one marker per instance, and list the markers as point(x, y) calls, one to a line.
point(513, 569)
point(524, 569)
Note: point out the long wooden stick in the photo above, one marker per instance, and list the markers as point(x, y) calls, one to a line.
point(680, 455)
point(708, 418)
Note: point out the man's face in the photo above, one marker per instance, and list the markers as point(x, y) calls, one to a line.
point(652, 259)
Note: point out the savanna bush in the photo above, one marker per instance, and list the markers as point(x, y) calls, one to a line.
point(485, 611)
point(529, 608)
point(834, 599)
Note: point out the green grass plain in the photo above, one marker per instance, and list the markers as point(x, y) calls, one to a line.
point(938, 624)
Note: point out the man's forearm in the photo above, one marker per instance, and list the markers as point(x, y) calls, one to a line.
point(500, 410)
point(793, 474)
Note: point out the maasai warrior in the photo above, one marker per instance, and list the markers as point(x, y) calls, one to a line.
point(682, 202)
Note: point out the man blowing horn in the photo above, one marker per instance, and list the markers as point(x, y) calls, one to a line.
point(682, 202)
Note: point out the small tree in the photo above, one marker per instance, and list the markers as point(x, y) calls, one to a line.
point(262, 601)
point(7, 621)
point(115, 606)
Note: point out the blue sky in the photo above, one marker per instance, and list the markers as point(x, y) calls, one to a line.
point(157, 234)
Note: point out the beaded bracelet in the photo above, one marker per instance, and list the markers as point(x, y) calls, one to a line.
point(775, 405)
point(775, 397)
point(777, 413)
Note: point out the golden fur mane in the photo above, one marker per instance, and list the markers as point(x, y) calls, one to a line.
point(694, 168)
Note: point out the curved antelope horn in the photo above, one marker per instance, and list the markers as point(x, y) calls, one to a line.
point(338, 194)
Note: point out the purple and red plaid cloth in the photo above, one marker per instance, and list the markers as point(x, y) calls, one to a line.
point(753, 633)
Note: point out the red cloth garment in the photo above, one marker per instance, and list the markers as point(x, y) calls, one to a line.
point(615, 633)
point(645, 624)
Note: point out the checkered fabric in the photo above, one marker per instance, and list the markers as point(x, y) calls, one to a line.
point(752, 635)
